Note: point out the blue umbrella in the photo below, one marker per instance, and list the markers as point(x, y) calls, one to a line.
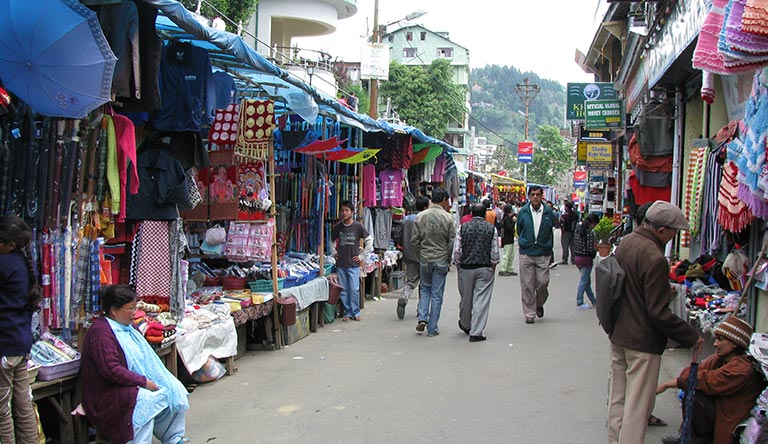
point(689, 399)
point(54, 56)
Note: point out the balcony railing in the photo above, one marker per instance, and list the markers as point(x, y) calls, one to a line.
point(295, 56)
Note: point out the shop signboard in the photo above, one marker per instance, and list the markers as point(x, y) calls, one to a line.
point(578, 93)
point(599, 155)
point(581, 153)
point(374, 63)
point(586, 136)
point(525, 152)
point(604, 114)
point(579, 179)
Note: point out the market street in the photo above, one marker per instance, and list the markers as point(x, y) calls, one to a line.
point(379, 381)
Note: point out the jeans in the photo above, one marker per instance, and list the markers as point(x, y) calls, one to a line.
point(566, 241)
point(349, 279)
point(585, 285)
point(18, 423)
point(167, 427)
point(431, 291)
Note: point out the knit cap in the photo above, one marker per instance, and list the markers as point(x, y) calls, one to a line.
point(735, 330)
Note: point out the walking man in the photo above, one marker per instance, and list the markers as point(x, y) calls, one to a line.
point(644, 323)
point(433, 236)
point(411, 259)
point(535, 223)
point(345, 247)
point(568, 221)
point(476, 253)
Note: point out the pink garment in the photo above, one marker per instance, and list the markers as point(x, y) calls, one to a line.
point(391, 188)
point(439, 172)
point(369, 185)
point(126, 151)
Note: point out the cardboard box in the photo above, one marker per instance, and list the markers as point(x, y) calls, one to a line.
point(299, 330)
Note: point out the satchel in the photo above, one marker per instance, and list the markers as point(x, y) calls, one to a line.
point(215, 235)
point(195, 198)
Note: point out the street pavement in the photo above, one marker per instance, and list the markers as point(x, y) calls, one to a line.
point(380, 381)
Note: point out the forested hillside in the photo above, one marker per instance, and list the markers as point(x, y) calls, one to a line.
point(495, 103)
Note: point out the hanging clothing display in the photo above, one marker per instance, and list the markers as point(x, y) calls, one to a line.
point(733, 213)
point(694, 185)
point(711, 234)
point(391, 188)
point(369, 185)
point(382, 228)
point(151, 259)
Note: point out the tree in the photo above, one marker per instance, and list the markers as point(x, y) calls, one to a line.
point(236, 10)
point(552, 157)
point(425, 96)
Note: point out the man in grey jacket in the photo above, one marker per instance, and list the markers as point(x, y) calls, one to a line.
point(432, 239)
point(410, 257)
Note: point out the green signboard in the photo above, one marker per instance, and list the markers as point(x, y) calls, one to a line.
point(604, 114)
point(577, 93)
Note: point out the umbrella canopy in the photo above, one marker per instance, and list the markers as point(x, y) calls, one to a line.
point(54, 56)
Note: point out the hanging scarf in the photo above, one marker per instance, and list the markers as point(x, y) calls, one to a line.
point(694, 185)
point(733, 213)
point(755, 18)
point(255, 124)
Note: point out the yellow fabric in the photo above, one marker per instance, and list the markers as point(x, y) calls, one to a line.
point(113, 171)
point(361, 156)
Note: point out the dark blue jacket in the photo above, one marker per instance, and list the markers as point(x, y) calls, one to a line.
point(187, 89)
point(542, 245)
point(162, 185)
point(15, 319)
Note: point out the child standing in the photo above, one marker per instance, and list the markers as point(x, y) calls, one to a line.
point(19, 296)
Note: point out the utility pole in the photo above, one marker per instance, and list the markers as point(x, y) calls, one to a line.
point(526, 91)
point(373, 109)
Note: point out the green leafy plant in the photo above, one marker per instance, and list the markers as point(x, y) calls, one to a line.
point(603, 229)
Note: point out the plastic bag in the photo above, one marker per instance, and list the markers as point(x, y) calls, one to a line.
point(210, 371)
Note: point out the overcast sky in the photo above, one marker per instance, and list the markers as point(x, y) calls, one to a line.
point(532, 35)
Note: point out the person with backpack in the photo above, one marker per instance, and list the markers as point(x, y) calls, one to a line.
point(568, 221)
point(643, 323)
point(584, 255)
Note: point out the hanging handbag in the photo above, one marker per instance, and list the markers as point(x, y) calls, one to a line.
point(215, 235)
point(195, 198)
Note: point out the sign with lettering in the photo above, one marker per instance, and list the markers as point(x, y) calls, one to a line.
point(603, 114)
point(579, 179)
point(374, 63)
point(525, 152)
point(599, 156)
point(577, 93)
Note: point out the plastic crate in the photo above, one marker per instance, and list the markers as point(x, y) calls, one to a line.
point(265, 285)
point(328, 269)
point(291, 281)
point(50, 372)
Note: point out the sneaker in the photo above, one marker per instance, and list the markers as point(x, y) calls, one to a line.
point(421, 326)
point(357, 318)
point(400, 310)
point(553, 265)
point(584, 306)
point(429, 335)
point(529, 320)
point(504, 273)
point(512, 273)
point(671, 439)
point(540, 311)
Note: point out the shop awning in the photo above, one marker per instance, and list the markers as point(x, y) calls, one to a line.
point(498, 179)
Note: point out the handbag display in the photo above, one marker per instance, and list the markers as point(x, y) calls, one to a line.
point(215, 235)
point(195, 198)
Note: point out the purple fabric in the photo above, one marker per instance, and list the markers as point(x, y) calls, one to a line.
point(439, 172)
point(583, 261)
point(758, 206)
point(109, 388)
point(738, 39)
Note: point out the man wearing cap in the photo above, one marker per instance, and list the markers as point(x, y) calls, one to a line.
point(727, 387)
point(643, 324)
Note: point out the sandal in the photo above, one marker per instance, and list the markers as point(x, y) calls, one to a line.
point(656, 422)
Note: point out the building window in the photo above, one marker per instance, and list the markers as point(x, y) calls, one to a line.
point(423, 35)
point(409, 36)
point(409, 53)
point(444, 53)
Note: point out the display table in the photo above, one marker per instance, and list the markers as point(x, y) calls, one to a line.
point(307, 294)
point(63, 396)
point(218, 340)
point(252, 312)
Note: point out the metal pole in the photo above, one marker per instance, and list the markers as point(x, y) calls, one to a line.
point(373, 109)
point(526, 91)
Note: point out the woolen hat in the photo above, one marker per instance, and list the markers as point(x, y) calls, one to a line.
point(735, 330)
point(664, 214)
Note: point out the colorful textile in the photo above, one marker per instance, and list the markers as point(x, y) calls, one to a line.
point(223, 132)
point(369, 185)
point(755, 18)
point(707, 55)
point(733, 213)
point(153, 263)
point(256, 122)
point(391, 188)
point(734, 38)
point(694, 186)
point(711, 234)
point(363, 156)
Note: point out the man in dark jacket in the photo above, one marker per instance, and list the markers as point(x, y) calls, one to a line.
point(535, 222)
point(476, 252)
point(568, 221)
point(411, 258)
point(644, 323)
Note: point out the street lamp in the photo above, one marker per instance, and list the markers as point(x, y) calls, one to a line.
point(373, 109)
point(526, 91)
point(310, 72)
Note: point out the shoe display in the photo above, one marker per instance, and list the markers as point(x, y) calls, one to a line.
point(477, 338)
point(540, 311)
point(529, 320)
point(400, 310)
point(421, 326)
point(465, 330)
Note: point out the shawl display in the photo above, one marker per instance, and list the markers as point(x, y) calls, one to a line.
point(694, 187)
point(151, 259)
point(708, 56)
point(256, 122)
point(739, 50)
point(223, 132)
point(755, 18)
point(733, 213)
point(711, 234)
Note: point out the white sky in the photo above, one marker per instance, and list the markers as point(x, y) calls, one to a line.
point(540, 36)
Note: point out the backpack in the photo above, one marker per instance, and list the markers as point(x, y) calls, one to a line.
point(609, 289)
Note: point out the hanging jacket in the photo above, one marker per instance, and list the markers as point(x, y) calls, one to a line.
point(162, 185)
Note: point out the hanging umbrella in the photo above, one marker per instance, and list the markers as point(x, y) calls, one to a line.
point(690, 396)
point(54, 56)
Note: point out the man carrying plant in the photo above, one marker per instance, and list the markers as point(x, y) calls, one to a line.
point(643, 324)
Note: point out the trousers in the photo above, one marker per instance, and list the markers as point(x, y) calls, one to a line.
point(18, 424)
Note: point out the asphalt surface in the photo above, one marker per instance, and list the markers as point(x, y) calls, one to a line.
point(380, 381)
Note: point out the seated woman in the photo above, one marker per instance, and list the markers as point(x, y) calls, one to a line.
point(127, 392)
point(727, 388)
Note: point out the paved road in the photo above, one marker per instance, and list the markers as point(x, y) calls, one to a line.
point(379, 381)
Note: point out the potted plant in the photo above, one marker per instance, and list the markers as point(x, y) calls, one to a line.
point(602, 233)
